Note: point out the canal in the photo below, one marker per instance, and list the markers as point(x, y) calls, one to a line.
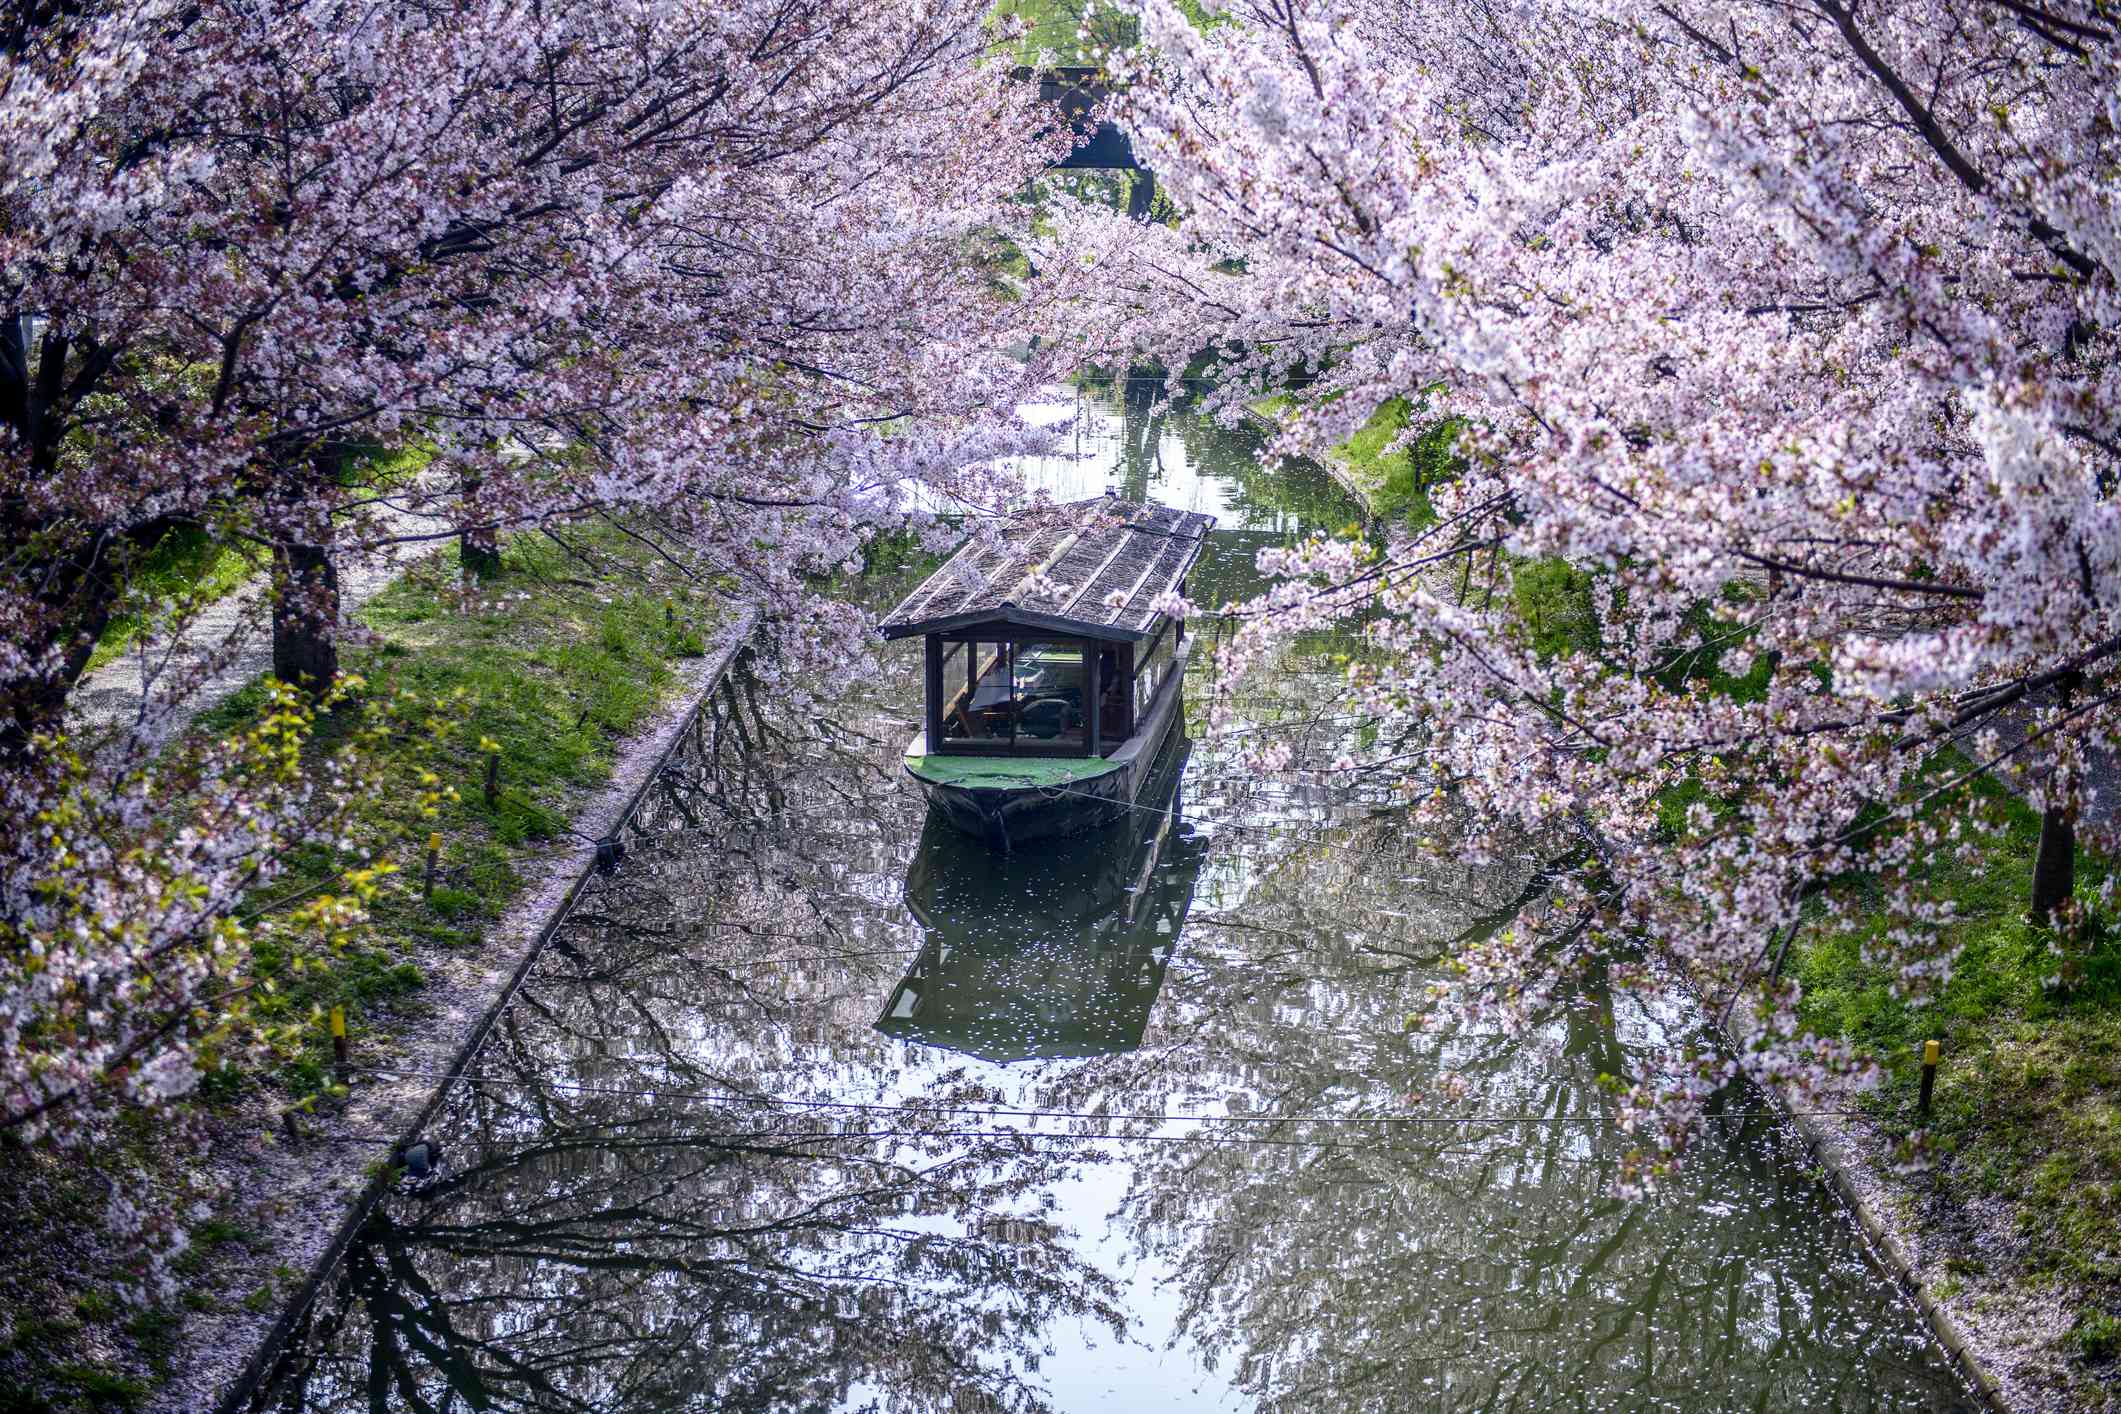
point(812, 1106)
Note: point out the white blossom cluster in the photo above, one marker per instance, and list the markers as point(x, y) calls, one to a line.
point(731, 269)
point(1790, 332)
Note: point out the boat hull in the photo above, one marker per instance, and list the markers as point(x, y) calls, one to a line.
point(1006, 815)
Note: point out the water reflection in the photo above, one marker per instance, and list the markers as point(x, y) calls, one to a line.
point(594, 1256)
point(1096, 1167)
point(1048, 953)
point(1121, 436)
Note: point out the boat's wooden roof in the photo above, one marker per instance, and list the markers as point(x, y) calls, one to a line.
point(1112, 558)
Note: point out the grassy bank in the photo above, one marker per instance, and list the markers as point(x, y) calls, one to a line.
point(547, 670)
point(2014, 1193)
point(2022, 1190)
point(549, 667)
point(188, 565)
point(1392, 481)
point(191, 566)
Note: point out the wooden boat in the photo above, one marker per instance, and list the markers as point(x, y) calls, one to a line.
point(1053, 676)
point(1049, 953)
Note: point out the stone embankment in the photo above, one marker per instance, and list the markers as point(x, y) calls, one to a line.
point(301, 1198)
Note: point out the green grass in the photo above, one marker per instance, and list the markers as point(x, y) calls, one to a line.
point(1052, 26)
point(194, 565)
point(556, 662)
point(103, 1388)
point(2097, 1336)
point(2027, 1110)
point(1396, 481)
point(2005, 966)
point(560, 663)
point(385, 468)
point(1553, 600)
point(189, 562)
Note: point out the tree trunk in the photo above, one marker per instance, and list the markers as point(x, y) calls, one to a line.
point(478, 545)
point(305, 616)
point(2055, 867)
point(79, 602)
point(44, 376)
point(479, 552)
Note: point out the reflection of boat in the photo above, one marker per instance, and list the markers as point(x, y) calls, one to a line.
point(1054, 673)
point(1057, 952)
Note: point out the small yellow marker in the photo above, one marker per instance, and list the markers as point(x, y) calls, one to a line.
point(1931, 1051)
point(338, 1035)
point(434, 861)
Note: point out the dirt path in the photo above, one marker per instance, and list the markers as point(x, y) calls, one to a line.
point(143, 687)
point(2102, 773)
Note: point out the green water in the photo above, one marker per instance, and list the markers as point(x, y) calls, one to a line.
point(813, 1106)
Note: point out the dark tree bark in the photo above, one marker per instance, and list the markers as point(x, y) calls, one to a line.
point(65, 565)
point(305, 616)
point(305, 608)
point(78, 599)
point(2055, 867)
point(479, 551)
point(478, 543)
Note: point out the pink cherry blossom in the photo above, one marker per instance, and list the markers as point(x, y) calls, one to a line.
point(1791, 329)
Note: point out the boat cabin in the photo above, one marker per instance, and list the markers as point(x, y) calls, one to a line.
point(1047, 640)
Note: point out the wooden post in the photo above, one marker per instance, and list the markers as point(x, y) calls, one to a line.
point(434, 859)
point(338, 1037)
point(493, 778)
point(933, 688)
point(1093, 697)
point(1930, 1052)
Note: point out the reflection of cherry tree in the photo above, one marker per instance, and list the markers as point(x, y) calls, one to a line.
point(807, 1213)
point(592, 1256)
point(1414, 1250)
point(646, 1208)
point(1276, 499)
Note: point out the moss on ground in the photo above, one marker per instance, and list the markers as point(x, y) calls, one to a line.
point(549, 667)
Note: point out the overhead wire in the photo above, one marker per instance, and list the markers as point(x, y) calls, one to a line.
point(796, 1103)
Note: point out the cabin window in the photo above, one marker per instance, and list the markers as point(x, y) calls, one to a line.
point(1015, 695)
point(1151, 666)
point(1050, 680)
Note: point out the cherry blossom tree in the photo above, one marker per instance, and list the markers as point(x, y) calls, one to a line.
point(1789, 331)
point(595, 255)
point(736, 271)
